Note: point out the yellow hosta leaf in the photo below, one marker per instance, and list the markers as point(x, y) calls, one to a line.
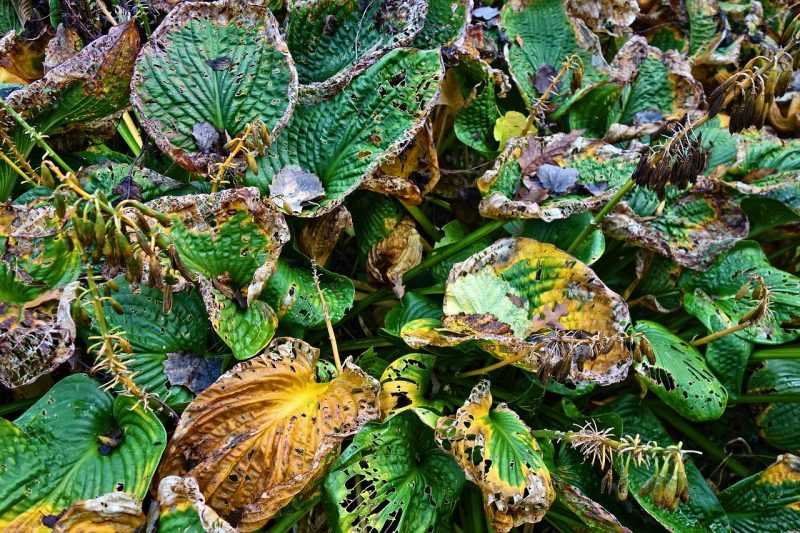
point(265, 429)
point(115, 512)
point(509, 125)
point(497, 452)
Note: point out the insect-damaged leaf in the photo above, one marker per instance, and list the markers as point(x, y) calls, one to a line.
point(251, 457)
point(498, 453)
point(520, 296)
point(333, 40)
point(183, 508)
point(392, 478)
point(344, 138)
point(777, 422)
point(407, 384)
point(115, 512)
point(208, 70)
point(680, 376)
point(123, 181)
point(76, 443)
point(768, 502)
point(88, 87)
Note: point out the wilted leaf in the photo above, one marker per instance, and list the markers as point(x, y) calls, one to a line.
point(76, 443)
point(319, 235)
point(777, 422)
point(294, 189)
point(207, 71)
point(783, 187)
point(191, 370)
point(115, 512)
point(392, 477)
point(250, 458)
point(333, 40)
point(396, 254)
point(768, 502)
point(605, 16)
point(497, 452)
point(680, 376)
point(183, 508)
point(594, 515)
point(343, 139)
point(520, 296)
point(408, 383)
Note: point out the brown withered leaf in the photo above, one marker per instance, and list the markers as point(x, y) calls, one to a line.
point(294, 188)
point(412, 174)
point(65, 44)
point(319, 236)
point(115, 512)
point(21, 59)
point(265, 429)
point(193, 371)
point(536, 154)
point(606, 16)
point(395, 255)
point(589, 510)
point(181, 495)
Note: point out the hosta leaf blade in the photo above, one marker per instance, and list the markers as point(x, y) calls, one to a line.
point(407, 384)
point(445, 23)
point(776, 422)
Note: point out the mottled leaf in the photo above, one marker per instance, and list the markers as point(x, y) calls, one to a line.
point(408, 383)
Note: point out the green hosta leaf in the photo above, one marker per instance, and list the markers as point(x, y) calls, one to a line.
point(475, 122)
point(407, 383)
point(122, 181)
point(208, 70)
point(727, 358)
point(703, 513)
point(562, 233)
point(540, 32)
point(445, 23)
point(783, 187)
point(517, 294)
point(246, 331)
point(711, 295)
point(601, 168)
point(154, 335)
point(680, 376)
point(332, 40)
point(379, 215)
point(777, 422)
point(768, 502)
point(413, 486)
point(454, 231)
point(496, 450)
point(658, 285)
point(693, 229)
point(8, 19)
point(595, 109)
point(767, 152)
point(704, 34)
point(293, 282)
point(718, 143)
point(54, 454)
point(346, 137)
point(90, 86)
point(412, 306)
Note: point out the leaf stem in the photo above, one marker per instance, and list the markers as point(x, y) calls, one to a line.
point(787, 397)
point(286, 523)
point(784, 352)
point(598, 218)
point(423, 221)
point(35, 135)
point(367, 342)
point(500, 364)
point(19, 405)
point(720, 334)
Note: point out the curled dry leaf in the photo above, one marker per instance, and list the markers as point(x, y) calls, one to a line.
point(21, 59)
point(498, 453)
point(588, 510)
point(520, 297)
point(251, 457)
point(607, 16)
point(183, 507)
point(319, 235)
point(412, 174)
point(115, 512)
point(395, 255)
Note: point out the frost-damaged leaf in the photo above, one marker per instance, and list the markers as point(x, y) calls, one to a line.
point(183, 508)
point(513, 188)
point(693, 229)
point(343, 139)
point(703, 512)
point(768, 502)
point(76, 443)
point(90, 86)
point(412, 174)
point(251, 457)
point(122, 181)
point(393, 256)
point(333, 40)
point(319, 236)
point(605, 16)
point(711, 295)
point(408, 383)
point(115, 512)
point(680, 376)
point(156, 337)
point(292, 292)
point(777, 422)
point(661, 83)
point(36, 337)
point(498, 453)
point(445, 24)
point(392, 478)
point(208, 70)
point(540, 32)
point(520, 296)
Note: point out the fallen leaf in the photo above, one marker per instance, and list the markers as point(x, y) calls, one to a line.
point(193, 371)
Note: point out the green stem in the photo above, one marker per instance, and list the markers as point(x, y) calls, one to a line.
point(360, 344)
point(477, 521)
point(710, 448)
point(19, 405)
point(784, 352)
point(423, 221)
point(439, 203)
point(598, 218)
point(782, 251)
point(287, 522)
point(787, 397)
point(35, 135)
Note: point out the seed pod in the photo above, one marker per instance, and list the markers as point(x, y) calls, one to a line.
point(144, 243)
point(142, 222)
point(116, 306)
point(231, 145)
point(251, 162)
point(648, 487)
point(112, 285)
point(99, 230)
point(133, 270)
point(683, 482)
point(742, 292)
point(266, 138)
point(60, 204)
point(622, 484)
point(167, 292)
point(178, 265)
point(607, 485)
point(80, 315)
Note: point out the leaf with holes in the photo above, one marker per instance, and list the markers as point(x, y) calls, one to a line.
point(498, 453)
point(208, 71)
point(530, 301)
point(680, 376)
point(76, 443)
point(392, 478)
point(777, 422)
point(251, 457)
point(115, 512)
point(333, 40)
point(345, 137)
point(408, 384)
